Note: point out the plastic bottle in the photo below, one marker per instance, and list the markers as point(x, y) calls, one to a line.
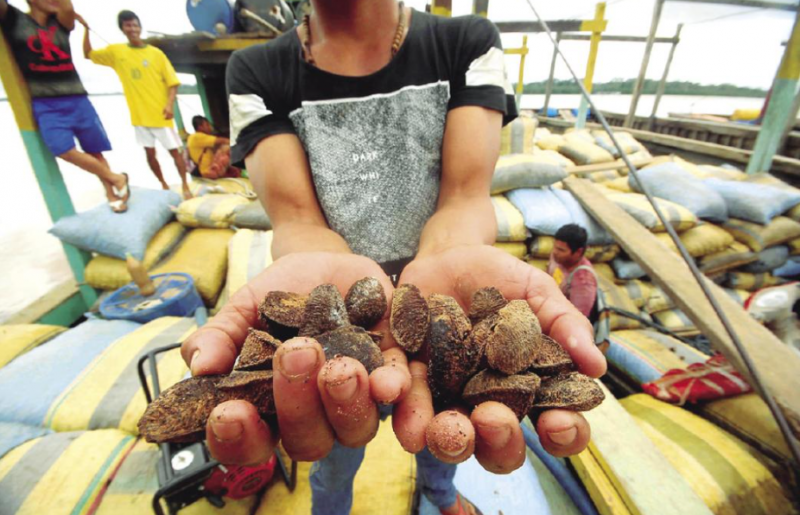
point(139, 276)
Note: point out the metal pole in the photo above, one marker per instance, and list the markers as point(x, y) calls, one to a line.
point(520, 85)
point(594, 47)
point(637, 87)
point(48, 175)
point(780, 105)
point(201, 90)
point(663, 84)
point(549, 88)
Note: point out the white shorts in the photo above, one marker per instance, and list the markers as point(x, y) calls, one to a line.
point(147, 136)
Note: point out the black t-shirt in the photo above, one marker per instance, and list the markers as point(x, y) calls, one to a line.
point(374, 142)
point(43, 54)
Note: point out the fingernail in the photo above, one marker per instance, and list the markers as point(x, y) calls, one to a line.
point(495, 437)
point(297, 365)
point(563, 438)
point(194, 359)
point(226, 431)
point(343, 390)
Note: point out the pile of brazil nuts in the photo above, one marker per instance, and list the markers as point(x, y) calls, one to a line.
point(497, 352)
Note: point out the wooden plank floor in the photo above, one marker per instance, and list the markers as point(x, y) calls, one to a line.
point(778, 365)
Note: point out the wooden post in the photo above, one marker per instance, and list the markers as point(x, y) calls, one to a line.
point(520, 85)
point(549, 88)
point(201, 90)
point(442, 8)
point(663, 84)
point(639, 85)
point(480, 8)
point(48, 175)
point(597, 28)
point(780, 105)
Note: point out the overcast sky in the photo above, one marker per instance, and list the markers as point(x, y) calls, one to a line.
point(743, 49)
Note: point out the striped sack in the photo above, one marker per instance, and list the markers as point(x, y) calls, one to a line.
point(16, 340)
point(38, 377)
point(515, 171)
point(676, 321)
point(249, 253)
point(203, 254)
point(107, 394)
point(735, 255)
point(107, 273)
point(584, 153)
point(730, 477)
point(645, 355)
point(213, 211)
point(517, 136)
point(751, 282)
point(758, 237)
point(61, 473)
point(618, 297)
point(12, 435)
point(510, 225)
point(700, 241)
point(637, 205)
point(518, 250)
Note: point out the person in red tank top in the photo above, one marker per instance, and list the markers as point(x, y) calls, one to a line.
point(571, 270)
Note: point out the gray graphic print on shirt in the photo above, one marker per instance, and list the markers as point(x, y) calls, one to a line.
point(376, 165)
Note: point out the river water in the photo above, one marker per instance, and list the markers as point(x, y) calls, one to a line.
point(32, 261)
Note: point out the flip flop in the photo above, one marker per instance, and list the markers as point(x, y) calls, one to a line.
point(123, 193)
point(118, 206)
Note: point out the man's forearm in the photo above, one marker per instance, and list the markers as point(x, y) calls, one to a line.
point(294, 237)
point(171, 95)
point(462, 221)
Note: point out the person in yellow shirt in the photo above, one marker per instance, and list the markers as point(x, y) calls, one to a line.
point(150, 86)
point(211, 153)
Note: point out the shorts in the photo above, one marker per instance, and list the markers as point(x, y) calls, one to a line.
point(147, 136)
point(62, 119)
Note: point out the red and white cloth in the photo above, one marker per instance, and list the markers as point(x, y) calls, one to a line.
point(714, 379)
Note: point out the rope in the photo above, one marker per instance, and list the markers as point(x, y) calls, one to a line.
point(729, 15)
point(754, 373)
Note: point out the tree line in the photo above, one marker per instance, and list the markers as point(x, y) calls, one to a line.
point(625, 86)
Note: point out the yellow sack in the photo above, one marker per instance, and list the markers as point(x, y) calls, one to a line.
point(16, 340)
point(551, 142)
point(61, 473)
point(108, 394)
point(720, 172)
point(794, 247)
point(621, 184)
point(517, 171)
point(700, 241)
point(542, 246)
point(249, 253)
point(759, 237)
point(552, 156)
point(584, 153)
point(516, 249)
point(510, 224)
point(618, 297)
point(638, 291)
point(752, 282)
point(107, 273)
point(637, 205)
point(605, 270)
point(626, 141)
point(517, 136)
point(603, 177)
point(676, 321)
point(384, 484)
point(237, 185)
point(203, 254)
point(651, 349)
point(541, 264)
point(658, 301)
point(736, 255)
point(728, 475)
point(748, 417)
point(602, 253)
point(213, 211)
point(132, 487)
